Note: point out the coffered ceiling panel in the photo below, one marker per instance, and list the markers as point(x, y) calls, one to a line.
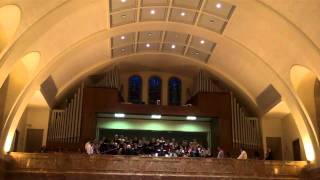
point(176, 37)
point(118, 5)
point(196, 54)
point(150, 36)
point(122, 51)
point(148, 47)
point(202, 44)
point(155, 2)
point(212, 23)
point(173, 48)
point(162, 41)
point(153, 14)
point(124, 39)
point(124, 17)
point(219, 8)
point(210, 14)
point(192, 4)
point(183, 16)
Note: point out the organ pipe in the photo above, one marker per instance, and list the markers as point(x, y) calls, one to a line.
point(64, 125)
point(245, 130)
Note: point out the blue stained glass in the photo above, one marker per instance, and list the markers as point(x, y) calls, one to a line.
point(135, 89)
point(154, 89)
point(174, 91)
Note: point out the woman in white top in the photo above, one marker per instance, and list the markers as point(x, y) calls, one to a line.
point(243, 154)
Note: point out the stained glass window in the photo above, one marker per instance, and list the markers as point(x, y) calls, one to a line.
point(174, 91)
point(154, 89)
point(135, 89)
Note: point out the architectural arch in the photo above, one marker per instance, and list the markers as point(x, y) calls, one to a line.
point(250, 57)
point(10, 17)
point(304, 82)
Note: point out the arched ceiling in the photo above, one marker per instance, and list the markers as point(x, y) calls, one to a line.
point(255, 46)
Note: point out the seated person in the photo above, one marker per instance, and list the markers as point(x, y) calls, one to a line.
point(243, 154)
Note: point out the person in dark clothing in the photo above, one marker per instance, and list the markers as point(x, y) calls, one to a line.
point(269, 155)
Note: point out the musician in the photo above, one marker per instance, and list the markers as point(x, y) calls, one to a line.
point(243, 154)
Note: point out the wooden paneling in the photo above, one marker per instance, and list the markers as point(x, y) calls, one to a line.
point(218, 105)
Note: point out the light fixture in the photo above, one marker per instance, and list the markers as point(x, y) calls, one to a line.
point(197, 53)
point(123, 16)
point(192, 118)
point(123, 1)
point(123, 49)
point(202, 41)
point(123, 37)
point(155, 116)
point(149, 34)
point(173, 46)
point(152, 12)
point(147, 45)
point(182, 13)
point(218, 5)
point(119, 115)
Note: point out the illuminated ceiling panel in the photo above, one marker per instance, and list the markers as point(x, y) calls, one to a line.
point(162, 42)
point(210, 14)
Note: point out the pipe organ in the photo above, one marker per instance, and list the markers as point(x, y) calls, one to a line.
point(203, 83)
point(65, 124)
point(245, 130)
point(109, 79)
point(75, 124)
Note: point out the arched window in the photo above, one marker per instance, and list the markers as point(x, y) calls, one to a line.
point(174, 91)
point(154, 89)
point(135, 89)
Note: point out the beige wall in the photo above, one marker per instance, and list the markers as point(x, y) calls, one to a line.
point(286, 129)
point(186, 83)
point(34, 118)
point(12, 88)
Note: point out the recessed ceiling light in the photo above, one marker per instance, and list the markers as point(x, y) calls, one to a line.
point(218, 5)
point(148, 45)
point(202, 42)
point(123, 37)
point(182, 13)
point(152, 12)
point(173, 46)
point(123, 49)
point(123, 16)
point(123, 1)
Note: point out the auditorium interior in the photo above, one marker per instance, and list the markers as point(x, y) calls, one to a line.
point(227, 76)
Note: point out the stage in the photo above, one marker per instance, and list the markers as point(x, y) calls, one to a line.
point(80, 166)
